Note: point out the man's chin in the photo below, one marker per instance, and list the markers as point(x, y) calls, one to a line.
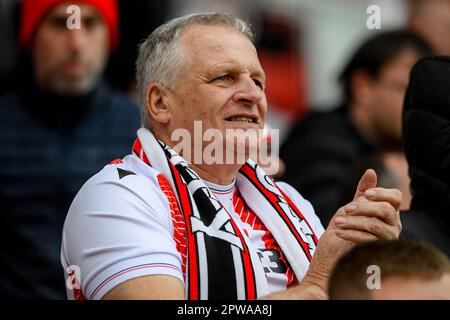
point(241, 152)
point(73, 86)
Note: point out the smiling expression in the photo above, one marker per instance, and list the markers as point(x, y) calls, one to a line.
point(221, 82)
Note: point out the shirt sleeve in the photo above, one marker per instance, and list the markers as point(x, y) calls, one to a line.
point(119, 227)
point(305, 208)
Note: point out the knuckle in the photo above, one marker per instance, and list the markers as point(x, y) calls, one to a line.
point(398, 194)
point(388, 210)
point(374, 228)
point(395, 234)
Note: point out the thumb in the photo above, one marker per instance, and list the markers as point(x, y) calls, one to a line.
point(367, 181)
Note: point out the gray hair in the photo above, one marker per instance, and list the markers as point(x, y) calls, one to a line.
point(159, 58)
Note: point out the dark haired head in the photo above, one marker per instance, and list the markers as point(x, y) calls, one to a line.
point(379, 51)
point(408, 260)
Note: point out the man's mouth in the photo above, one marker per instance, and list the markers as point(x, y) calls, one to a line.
point(245, 119)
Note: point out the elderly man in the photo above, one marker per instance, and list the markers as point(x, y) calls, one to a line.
point(57, 130)
point(158, 226)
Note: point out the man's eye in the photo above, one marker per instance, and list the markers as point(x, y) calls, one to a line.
point(58, 23)
point(92, 22)
point(224, 77)
point(258, 83)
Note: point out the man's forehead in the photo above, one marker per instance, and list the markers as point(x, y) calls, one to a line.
point(60, 10)
point(210, 32)
point(216, 39)
point(216, 47)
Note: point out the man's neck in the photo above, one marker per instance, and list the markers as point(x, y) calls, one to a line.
point(360, 119)
point(222, 174)
point(363, 124)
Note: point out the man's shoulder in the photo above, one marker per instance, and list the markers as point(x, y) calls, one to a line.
point(324, 123)
point(323, 134)
point(120, 108)
point(117, 100)
point(303, 205)
point(129, 177)
point(129, 166)
point(295, 196)
point(10, 100)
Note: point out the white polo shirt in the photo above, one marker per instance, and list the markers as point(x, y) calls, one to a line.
point(120, 227)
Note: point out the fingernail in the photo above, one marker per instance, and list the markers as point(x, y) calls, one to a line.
point(350, 208)
point(370, 193)
point(340, 220)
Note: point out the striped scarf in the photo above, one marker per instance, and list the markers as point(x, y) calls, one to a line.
point(221, 261)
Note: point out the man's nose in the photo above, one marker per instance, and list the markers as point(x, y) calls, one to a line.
point(76, 40)
point(248, 91)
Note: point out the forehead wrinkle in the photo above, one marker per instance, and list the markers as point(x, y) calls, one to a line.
point(86, 10)
point(220, 57)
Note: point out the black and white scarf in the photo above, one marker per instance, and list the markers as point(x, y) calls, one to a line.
point(221, 261)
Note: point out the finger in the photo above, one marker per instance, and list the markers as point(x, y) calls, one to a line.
point(355, 236)
point(368, 180)
point(382, 210)
point(373, 226)
point(393, 196)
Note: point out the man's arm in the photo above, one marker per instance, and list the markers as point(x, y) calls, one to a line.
point(368, 217)
point(373, 214)
point(155, 287)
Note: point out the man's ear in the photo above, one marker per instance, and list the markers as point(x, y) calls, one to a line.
point(158, 103)
point(361, 87)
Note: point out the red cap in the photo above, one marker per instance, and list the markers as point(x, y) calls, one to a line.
point(34, 10)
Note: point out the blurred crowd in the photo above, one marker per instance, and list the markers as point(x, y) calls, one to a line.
point(68, 107)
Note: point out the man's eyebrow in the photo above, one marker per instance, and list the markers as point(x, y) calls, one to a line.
point(86, 15)
point(56, 16)
point(223, 66)
point(234, 67)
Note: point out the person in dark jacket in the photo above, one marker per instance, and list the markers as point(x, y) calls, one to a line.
point(321, 150)
point(426, 136)
point(56, 131)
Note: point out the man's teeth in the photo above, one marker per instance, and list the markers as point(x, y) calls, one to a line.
point(243, 119)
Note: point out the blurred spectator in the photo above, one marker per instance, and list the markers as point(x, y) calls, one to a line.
point(321, 149)
point(431, 20)
point(407, 270)
point(392, 172)
point(8, 44)
point(426, 137)
point(57, 130)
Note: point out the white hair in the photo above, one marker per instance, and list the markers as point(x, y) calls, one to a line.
point(159, 58)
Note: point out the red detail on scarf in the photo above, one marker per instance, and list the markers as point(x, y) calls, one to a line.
point(251, 174)
point(117, 161)
point(249, 217)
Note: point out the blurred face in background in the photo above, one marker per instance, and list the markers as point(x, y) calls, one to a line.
point(431, 19)
point(69, 62)
point(385, 103)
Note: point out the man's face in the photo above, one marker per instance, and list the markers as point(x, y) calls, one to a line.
point(388, 91)
point(69, 62)
point(221, 82)
point(433, 23)
point(398, 288)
